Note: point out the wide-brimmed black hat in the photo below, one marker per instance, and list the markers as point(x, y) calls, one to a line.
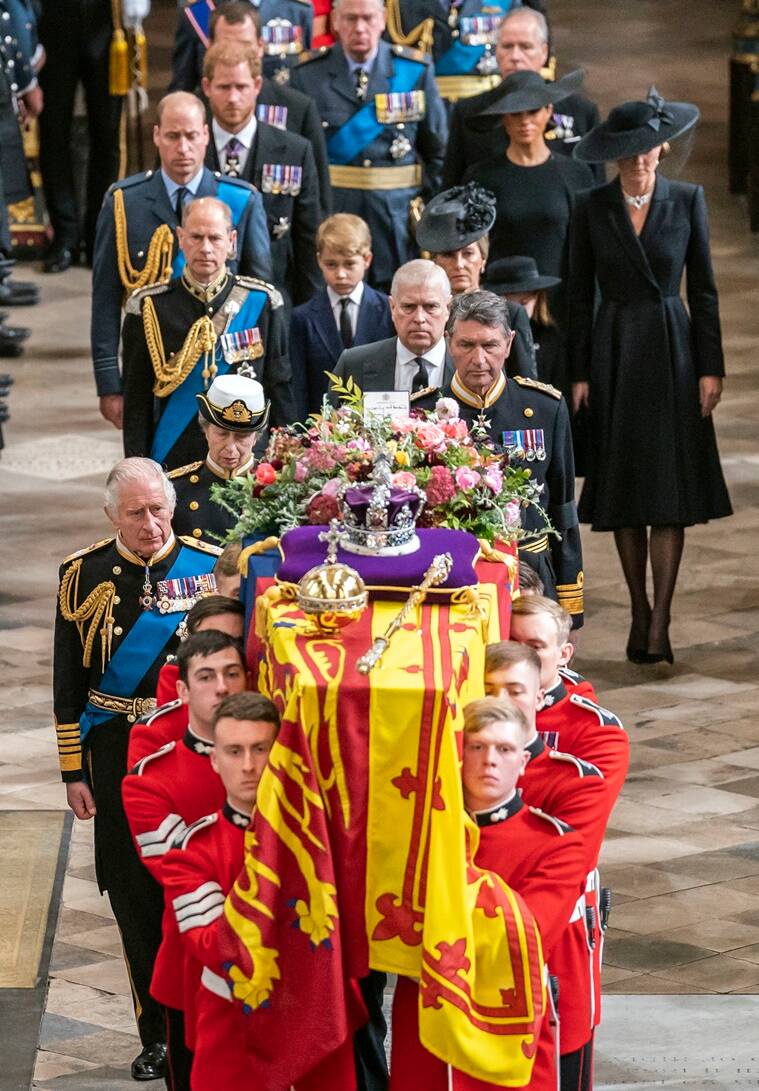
point(511, 276)
point(235, 402)
point(635, 128)
point(527, 90)
point(455, 218)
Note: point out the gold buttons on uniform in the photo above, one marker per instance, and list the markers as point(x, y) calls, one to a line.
point(131, 719)
point(194, 505)
point(194, 479)
point(117, 570)
point(367, 162)
point(197, 533)
point(116, 600)
point(529, 412)
point(118, 630)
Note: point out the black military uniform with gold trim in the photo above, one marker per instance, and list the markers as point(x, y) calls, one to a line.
point(196, 514)
point(519, 405)
point(101, 599)
point(179, 307)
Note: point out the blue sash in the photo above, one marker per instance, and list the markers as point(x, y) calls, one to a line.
point(236, 198)
point(142, 645)
point(460, 59)
point(199, 17)
point(181, 406)
point(361, 129)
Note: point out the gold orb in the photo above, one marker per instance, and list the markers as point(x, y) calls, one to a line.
point(332, 596)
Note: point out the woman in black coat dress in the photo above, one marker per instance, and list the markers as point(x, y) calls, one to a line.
point(534, 188)
point(650, 370)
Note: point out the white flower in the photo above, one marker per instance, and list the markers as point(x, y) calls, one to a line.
point(447, 408)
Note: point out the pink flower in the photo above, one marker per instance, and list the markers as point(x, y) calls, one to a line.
point(403, 479)
point(265, 474)
point(300, 473)
point(466, 478)
point(332, 487)
point(513, 517)
point(493, 478)
point(429, 436)
point(440, 487)
point(358, 445)
point(320, 458)
point(447, 408)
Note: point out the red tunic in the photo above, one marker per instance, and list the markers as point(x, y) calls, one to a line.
point(573, 681)
point(166, 687)
point(574, 723)
point(151, 732)
point(163, 794)
point(198, 875)
point(575, 791)
point(543, 860)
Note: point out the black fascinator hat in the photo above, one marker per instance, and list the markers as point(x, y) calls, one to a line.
point(635, 128)
point(455, 218)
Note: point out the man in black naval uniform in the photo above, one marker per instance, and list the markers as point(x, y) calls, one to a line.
point(120, 603)
point(232, 412)
point(530, 422)
point(522, 45)
point(279, 164)
point(178, 336)
point(278, 103)
point(135, 242)
point(385, 125)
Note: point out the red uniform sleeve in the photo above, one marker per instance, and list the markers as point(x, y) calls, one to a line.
point(553, 885)
point(585, 804)
point(197, 901)
point(166, 689)
point(152, 822)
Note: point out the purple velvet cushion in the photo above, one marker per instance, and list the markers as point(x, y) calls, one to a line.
point(387, 577)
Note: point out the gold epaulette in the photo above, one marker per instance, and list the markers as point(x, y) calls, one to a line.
point(182, 470)
point(533, 384)
point(255, 284)
point(204, 547)
point(88, 549)
point(134, 301)
point(311, 55)
point(410, 54)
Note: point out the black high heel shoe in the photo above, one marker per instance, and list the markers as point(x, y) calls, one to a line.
point(667, 656)
point(637, 653)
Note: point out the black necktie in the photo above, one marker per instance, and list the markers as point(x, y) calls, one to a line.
point(421, 380)
point(362, 78)
point(346, 330)
point(179, 202)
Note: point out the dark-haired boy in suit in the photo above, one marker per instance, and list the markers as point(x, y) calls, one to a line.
point(345, 313)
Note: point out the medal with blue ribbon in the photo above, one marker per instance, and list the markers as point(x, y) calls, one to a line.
point(400, 106)
point(280, 38)
point(525, 444)
point(275, 116)
point(281, 178)
point(242, 345)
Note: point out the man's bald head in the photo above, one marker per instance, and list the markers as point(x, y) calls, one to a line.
point(205, 206)
point(206, 237)
point(181, 136)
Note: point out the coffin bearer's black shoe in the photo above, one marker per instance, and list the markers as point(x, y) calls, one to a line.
point(151, 1063)
point(18, 293)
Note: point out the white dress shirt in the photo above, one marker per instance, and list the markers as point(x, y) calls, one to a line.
point(246, 137)
point(406, 366)
point(355, 297)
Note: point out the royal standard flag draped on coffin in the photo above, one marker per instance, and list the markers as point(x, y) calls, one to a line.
point(360, 854)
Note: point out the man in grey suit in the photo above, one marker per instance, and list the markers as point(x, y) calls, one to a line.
point(417, 359)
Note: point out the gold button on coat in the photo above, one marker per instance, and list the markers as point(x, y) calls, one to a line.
point(197, 533)
point(194, 479)
point(529, 412)
point(194, 505)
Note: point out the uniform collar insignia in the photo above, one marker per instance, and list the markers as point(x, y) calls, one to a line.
point(558, 693)
point(219, 471)
point(204, 292)
point(237, 818)
point(500, 813)
point(196, 744)
point(477, 401)
point(133, 558)
point(535, 748)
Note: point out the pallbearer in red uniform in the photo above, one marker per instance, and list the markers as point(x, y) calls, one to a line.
point(575, 723)
point(538, 855)
point(575, 791)
point(168, 790)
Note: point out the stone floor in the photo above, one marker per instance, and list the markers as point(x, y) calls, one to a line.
point(682, 853)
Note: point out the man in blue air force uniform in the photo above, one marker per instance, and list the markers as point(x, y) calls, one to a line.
point(179, 336)
point(285, 34)
point(120, 603)
point(385, 126)
point(135, 241)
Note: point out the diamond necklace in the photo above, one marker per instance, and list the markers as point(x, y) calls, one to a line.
point(638, 202)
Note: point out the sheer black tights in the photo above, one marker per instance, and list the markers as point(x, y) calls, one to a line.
point(650, 625)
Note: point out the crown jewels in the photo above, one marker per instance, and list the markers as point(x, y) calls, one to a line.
point(379, 519)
